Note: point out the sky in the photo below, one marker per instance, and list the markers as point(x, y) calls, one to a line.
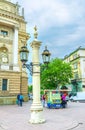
point(60, 23)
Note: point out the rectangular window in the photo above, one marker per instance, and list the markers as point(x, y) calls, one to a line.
point(4, 33)
point(75, 65)
point(74, 56)
point(76, 76)
point(4, 84)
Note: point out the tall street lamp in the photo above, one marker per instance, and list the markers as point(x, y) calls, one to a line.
point(34, 68)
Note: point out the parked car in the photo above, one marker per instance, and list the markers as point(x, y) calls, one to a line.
point(80, 96)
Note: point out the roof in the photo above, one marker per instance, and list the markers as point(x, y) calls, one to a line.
point(79, 48)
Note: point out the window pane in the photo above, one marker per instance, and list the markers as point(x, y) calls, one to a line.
point(4, 84)
point(5, 33)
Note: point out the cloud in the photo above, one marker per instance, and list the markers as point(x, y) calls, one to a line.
point(61, 23)
point(47, 13)
point(50, 13)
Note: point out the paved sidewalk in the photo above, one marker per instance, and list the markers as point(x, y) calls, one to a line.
point(13, 117)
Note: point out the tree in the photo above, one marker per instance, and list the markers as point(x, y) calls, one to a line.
point(57, 73)
point(30, 89)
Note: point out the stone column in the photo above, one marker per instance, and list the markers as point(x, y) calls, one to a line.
point(36, 108)
point(15, 49)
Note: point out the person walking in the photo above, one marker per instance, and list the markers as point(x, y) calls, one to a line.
point(63, 98)
point(21, 99)
point(18, 99)
point(43, 100)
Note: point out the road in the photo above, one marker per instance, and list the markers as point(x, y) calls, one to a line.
point(13, 117)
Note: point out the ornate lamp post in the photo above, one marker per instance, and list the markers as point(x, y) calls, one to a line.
point(34, 67)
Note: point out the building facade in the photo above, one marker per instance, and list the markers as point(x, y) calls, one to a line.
point(13, 78)
point(77, 60)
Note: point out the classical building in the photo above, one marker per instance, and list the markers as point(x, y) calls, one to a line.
point(77, 60)
point(13, 79)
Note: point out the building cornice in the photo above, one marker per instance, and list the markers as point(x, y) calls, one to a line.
point(11, 15)
point(8, 2)
point(24, 34)
point(73, 52)
point(79, 57)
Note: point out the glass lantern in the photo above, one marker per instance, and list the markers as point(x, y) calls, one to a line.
point(24, 54)
point(46, 56)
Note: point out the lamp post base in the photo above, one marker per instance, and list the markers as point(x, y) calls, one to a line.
point(36, 114)
point(36, 117)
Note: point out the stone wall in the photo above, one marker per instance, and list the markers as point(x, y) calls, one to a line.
point(15, 86)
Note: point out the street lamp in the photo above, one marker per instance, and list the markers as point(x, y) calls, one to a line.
point(46, 56)
point(24, 54)
point(34, 68)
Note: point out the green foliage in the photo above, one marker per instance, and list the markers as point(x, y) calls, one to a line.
point(57, 73)
point(30, 89)
point(42, 92)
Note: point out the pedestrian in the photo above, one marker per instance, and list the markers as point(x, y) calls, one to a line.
point(63, 98)
point(43, 100)
point(18, 99)
point(21, 99)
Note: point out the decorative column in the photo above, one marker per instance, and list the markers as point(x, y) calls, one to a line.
point(36, 108)
point(15, 49)
point(15, 46)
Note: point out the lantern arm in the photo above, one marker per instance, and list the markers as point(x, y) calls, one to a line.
point(29, 67)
